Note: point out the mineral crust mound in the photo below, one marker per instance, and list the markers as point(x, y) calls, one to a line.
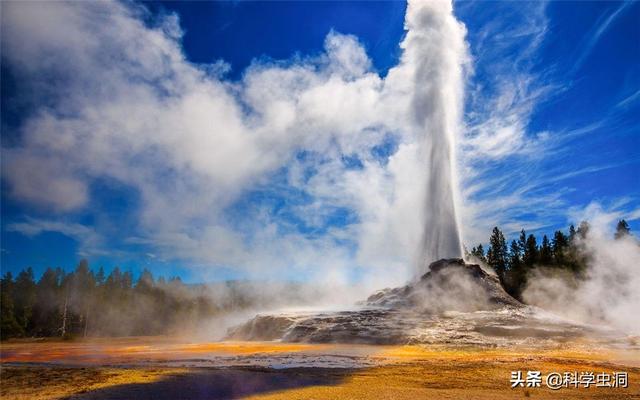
point(450, 284)
point(454, 303)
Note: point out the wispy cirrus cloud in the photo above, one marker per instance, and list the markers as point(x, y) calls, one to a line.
point(592, 38)
point(89, 240)
point(513, 173)
point(499, 152)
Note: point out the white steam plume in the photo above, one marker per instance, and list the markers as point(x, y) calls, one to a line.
point(435, 49)
point(113, 98)
point(609, 295)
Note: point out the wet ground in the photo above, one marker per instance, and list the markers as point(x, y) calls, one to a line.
point(179, 352)
point(173, 368)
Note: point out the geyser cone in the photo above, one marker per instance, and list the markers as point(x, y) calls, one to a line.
point(454, 303)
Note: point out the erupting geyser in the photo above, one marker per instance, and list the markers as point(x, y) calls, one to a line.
point(436, 51)
point(431, 76)
point(448, 301)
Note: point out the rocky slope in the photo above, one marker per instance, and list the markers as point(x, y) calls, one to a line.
point(449, 285)
point(453, 303)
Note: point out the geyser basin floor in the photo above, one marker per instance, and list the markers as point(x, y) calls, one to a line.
point(147, 368)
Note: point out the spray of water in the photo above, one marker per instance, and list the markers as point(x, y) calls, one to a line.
point(435, 47)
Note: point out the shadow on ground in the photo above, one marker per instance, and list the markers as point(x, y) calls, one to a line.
point(214, 384)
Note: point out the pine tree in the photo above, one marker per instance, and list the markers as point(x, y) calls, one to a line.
point(559, 248)
point(522, 240)
point(516, 274)
point(478, 252)
point(77, 303)
point(24, 298)
point(498, 259)
point(9, 326)
point(546, 256)
point(66, 288)
point(530, 256)
point(114, 280)
point(489, 255)
point(622, 229)
point(85, 284)
point(515, 255)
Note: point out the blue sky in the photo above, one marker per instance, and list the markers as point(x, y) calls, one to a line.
point(120, 142)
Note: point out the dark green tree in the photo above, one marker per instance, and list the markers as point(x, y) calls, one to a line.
point(516, 274)
point(522, 241)
point(546, 253)
point(478, 252)
point(81, 303)
point(498, 256)
point(9, 326)
point(576, 258)
point(559, 246)
point(24, 298)
point(515, 255)
point(530, 256)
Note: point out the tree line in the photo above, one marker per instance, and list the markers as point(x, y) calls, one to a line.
point(515, 262)
point(84, 303)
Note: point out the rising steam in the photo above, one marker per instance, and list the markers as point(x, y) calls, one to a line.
point(435, 52)
point(608, 294)
point(191, 143)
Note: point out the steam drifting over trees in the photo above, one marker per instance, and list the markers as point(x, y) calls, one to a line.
point(87, 303)
point(524, 255)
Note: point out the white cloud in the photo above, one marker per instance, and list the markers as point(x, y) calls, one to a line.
point(114, 97)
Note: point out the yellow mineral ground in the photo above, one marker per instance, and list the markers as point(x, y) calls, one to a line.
point(396, 372)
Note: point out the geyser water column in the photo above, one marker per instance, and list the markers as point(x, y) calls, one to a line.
point(435, 52)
